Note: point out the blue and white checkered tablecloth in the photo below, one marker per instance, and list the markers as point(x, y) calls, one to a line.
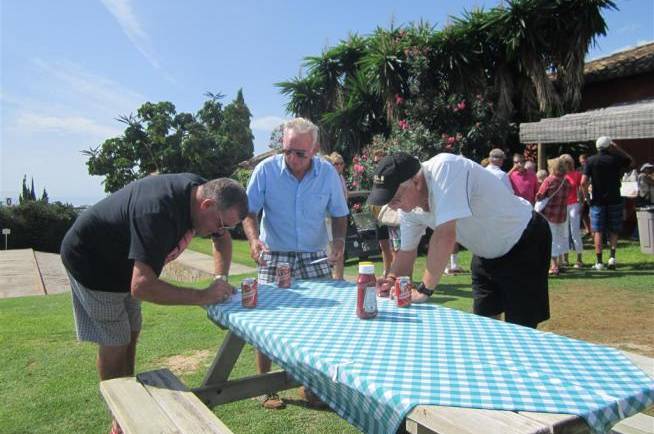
point(373, 372)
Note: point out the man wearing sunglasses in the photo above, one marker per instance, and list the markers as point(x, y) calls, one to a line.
point(296, 191)
point(115, 251)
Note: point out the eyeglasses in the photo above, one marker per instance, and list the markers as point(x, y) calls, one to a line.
point(221, 225)
point(298, 153)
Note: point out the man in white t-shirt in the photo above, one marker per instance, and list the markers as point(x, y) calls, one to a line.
point(462, 202)
point(495, 161)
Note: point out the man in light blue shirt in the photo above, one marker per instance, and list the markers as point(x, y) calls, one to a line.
point(296, 191)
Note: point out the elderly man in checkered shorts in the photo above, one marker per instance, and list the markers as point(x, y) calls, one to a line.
point(296, 191)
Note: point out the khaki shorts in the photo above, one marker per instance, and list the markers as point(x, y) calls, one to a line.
point(106, 318)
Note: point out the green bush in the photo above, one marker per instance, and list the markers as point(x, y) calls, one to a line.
point(37, 224)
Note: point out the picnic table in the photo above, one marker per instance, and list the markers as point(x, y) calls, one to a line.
point(427, 368)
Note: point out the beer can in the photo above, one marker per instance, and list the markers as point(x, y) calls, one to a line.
point(249, 292)
point(403, 291)
point(283, 275)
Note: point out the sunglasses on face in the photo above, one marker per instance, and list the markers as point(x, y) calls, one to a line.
point(298, 153)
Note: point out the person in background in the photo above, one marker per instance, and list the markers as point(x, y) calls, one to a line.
point(462, 202)
point(383, 232)
point(555, 188)
point(574, 208)
point(339, 164)
point(530, 166)
point(646, 185)
point(484, 163)
point(523, 181)
point(540, 176)
point(603, 172)
point(115, 251)
point(296, 191)
point(585, 207)
point(495, 161)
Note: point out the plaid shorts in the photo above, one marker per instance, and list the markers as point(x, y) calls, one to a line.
point(606, 218)
point(300, 262)
point(106, 318)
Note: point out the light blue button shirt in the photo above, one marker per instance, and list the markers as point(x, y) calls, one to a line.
point(294, 211)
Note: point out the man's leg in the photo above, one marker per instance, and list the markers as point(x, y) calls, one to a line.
point(267, 274)
point(486, 297)
point(597, 224)
point(614, 225)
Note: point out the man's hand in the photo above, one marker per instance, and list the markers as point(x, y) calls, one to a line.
point(337, 252)
point(386, 283)
point(218, 292)
point(257, 248)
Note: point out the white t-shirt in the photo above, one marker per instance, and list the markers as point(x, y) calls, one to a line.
point(501, 175)
point(489, 218)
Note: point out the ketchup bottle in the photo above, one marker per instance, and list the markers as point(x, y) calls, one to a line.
point(366, 291)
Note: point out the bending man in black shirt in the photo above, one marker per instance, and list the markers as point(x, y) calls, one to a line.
point(116, 250)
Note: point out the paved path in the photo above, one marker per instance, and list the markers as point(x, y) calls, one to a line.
point(18, 274)
point(53, 272)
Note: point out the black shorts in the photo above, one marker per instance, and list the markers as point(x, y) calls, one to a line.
point(516, 283)
point(381, 231)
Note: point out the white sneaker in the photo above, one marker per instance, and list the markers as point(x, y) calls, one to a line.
point(612, 264)
point(599, 266)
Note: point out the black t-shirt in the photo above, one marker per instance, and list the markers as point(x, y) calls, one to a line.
point(143, 221)
point(605, 171)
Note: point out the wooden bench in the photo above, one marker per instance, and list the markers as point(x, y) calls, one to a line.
point(158, 402)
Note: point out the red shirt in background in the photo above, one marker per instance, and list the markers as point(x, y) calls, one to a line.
point(525, 184)
point(556, 210)
point(574, 181)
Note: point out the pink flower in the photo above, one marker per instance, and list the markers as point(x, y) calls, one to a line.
point(398, 99)
point(359, 168)
point(461, 105)
point(404, 124)
point(354, 183)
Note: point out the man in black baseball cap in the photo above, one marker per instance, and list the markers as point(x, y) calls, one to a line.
point(462, 202)
point(389, 174)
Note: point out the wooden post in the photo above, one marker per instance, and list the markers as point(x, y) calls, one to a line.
point(542, 160)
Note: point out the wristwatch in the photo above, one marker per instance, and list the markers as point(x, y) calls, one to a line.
point(220, 277)
point(424, 290)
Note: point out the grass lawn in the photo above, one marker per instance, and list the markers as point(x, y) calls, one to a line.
point(48, 380)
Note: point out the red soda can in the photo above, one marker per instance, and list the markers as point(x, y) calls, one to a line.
point(403, 291)
point(249, 292)
point(283, 275)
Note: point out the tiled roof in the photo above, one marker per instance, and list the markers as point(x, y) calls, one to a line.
point(625, 63)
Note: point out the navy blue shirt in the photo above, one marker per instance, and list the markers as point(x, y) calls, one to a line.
point(605, 171)
point(142, 222)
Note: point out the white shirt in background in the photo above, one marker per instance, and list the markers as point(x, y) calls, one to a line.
point(501, 175)
point(489, 218)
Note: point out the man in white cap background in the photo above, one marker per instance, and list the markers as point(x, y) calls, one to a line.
point(496, 159)
point(462, 202)
point(603, 171)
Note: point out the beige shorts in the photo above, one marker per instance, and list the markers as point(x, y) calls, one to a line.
point(106, 318)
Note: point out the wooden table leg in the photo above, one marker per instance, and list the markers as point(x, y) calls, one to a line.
point(216, 389)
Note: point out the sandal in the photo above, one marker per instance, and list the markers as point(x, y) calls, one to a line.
point(554, 272)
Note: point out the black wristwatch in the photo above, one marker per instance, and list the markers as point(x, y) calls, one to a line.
point(424, 290)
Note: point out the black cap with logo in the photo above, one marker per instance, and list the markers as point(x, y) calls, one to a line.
point(389, 174)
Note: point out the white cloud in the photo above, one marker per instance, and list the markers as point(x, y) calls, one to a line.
point(29, 122)
point(267, 123)
point(629, 29)
point(124, 14)
point(104, 93)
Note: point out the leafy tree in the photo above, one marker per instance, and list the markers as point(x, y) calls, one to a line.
point(27, 194)
point(159, 140)
point(525, 59)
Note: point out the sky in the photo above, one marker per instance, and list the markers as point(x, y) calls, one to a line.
point(69, 68)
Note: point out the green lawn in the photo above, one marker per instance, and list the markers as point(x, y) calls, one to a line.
point(48, 380)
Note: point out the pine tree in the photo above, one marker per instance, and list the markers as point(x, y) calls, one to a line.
point(44, 196)
point(32, 192)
